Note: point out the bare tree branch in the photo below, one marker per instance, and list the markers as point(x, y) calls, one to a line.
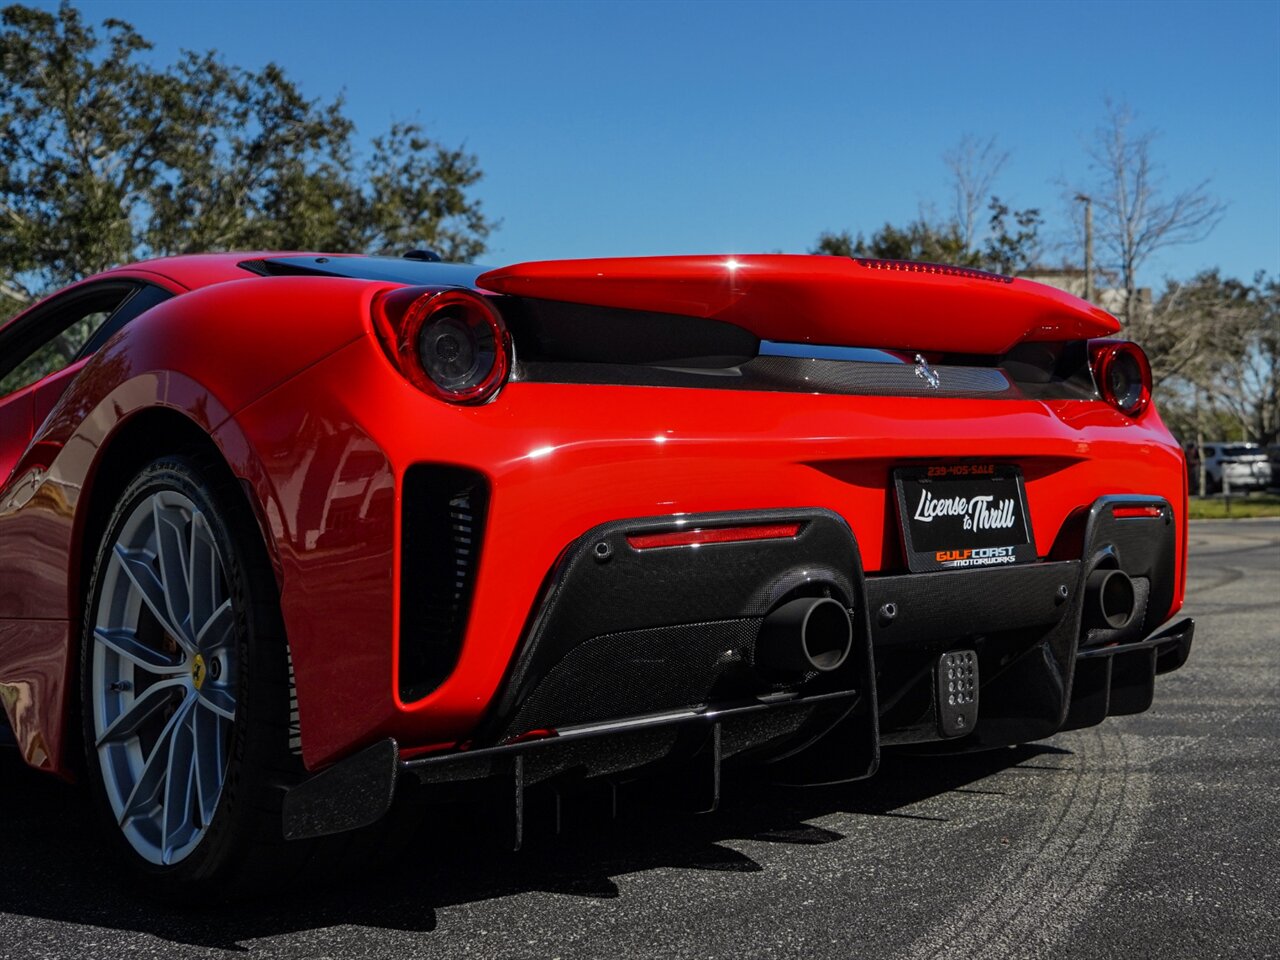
point(974, 164)
point(15, 292)
point(1135, 218)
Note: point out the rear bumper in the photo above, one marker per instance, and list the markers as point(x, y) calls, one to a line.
point(559, 460)
point(361, 789)
point(585, 699)
point(590, 656)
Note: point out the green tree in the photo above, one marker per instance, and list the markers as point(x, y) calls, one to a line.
point(105, 158)
point(1195, 326)
point(839, 244)
point(1248, 381)
point(1214, 345)
point(918, 240)
point(1010, 247)
point(1012, 240)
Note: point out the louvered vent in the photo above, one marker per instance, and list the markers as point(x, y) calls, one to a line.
point(443, 515)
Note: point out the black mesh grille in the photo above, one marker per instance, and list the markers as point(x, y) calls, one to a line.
point(793, 375)
point(443, 526)
point(874, 379)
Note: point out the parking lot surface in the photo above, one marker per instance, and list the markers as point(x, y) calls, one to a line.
point(1149, 836)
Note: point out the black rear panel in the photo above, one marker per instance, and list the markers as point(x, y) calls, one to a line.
point(623, 631)
point(552, 332)
point(558, 342)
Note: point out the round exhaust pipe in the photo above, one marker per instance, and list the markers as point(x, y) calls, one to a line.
point(1109, 599)
point(811, 633)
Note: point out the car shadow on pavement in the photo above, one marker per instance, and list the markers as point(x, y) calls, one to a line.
point(56, 868)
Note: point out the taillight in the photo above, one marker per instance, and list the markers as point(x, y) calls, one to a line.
point(1122, 375)
point(449, 342)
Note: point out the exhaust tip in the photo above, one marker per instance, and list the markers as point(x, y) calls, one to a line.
point(805, 635)
point(827, 635)
point(1110, 599)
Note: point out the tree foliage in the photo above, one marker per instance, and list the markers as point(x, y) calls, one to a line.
point(1011, 245)
point(1216, 351)
point(1013, 241)
point(918, 240)
point(105, 158)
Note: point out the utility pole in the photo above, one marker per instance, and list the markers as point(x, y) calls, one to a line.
point(1088, 244)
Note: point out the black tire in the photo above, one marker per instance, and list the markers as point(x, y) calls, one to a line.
point(242, 846)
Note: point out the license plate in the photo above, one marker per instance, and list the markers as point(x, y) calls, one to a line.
point(963, 516)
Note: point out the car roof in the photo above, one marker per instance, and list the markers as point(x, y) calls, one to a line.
point(196, 270)
point(187, 272)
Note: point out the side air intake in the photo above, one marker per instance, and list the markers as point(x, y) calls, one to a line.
point(443, 518)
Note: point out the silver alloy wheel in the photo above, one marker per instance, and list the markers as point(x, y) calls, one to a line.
point(164, 677)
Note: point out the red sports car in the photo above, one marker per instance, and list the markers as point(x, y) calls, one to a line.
point(281, 533)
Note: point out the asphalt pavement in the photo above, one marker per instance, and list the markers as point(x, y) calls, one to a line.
point(1149, 836)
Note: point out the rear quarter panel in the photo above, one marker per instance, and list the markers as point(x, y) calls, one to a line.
point(204, 354)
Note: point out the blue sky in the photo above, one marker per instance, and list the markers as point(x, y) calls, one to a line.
point(644, 128)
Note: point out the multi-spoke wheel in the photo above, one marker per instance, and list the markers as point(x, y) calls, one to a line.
point(164, 676)
point(185, 753)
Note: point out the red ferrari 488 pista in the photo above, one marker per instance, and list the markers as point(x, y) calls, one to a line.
point(283, 533)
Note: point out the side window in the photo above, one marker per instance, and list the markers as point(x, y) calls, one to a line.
point(1209, 452)
point(146, 297)
point(54, 353)
point(68, 329)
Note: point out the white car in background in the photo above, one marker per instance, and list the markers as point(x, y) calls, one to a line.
point(1242, 466)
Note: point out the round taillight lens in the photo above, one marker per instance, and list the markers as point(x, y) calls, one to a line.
point(454, 344)
point(1122, 375)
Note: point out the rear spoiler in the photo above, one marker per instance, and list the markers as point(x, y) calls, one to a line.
point(837, 301)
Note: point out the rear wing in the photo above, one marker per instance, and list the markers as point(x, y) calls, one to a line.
point(891, 304)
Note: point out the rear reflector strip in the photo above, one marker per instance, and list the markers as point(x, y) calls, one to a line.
point(1130, 513)
point(694, 537)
